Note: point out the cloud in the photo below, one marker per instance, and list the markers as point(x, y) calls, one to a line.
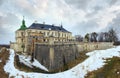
point(86, 27)
point(115, 24)
point(81, 4)
point(78, 16)
point(1, 2)
point(8, 25)
point(112, 2)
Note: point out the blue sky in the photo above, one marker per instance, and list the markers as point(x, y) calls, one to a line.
point(77, 16)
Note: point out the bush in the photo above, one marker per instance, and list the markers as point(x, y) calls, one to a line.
point(116, 43)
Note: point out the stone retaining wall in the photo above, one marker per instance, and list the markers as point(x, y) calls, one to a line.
point(57, 55)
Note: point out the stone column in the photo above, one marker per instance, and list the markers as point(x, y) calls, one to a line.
point(51, 56)
point(51, 52)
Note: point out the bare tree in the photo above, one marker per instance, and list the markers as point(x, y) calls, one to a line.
point(101, 37)
point(112, 35)
point(87, 37)
point(94, 36)
point(79, 38)
point(106, 37)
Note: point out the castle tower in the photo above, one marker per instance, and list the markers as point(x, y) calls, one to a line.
point(20, 37)
point(23, 26)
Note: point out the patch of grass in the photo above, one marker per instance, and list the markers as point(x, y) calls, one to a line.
point(110, 70)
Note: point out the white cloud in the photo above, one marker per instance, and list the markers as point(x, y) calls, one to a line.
point(107, 15)
point(78, 16)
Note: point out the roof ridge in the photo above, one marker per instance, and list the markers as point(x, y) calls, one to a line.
point(46, 27)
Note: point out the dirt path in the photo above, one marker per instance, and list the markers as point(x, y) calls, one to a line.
point(4, 55)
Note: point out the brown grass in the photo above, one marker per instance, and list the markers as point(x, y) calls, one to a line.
point(4, 55)
point(110, 70)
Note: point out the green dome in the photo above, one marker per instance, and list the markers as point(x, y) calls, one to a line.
point(23, 26)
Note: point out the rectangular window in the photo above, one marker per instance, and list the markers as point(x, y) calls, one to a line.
point(44, 33)
point(22, 40)
point(47, 33)
point(55, 34)
point(22, 34)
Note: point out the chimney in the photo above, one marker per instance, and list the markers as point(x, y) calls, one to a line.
point(52, 25)
point(35, 21)
point(44, 23)
point(61, 25)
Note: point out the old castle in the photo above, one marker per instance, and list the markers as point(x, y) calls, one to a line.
point(26, 37)
point(52, 46)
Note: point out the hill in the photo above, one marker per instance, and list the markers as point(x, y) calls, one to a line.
point(95, 61)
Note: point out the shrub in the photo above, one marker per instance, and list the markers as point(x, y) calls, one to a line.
point(116, 43)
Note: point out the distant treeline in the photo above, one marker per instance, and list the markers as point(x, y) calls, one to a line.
point(110, 36)
point(4, 45)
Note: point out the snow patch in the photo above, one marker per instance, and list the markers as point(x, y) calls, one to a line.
point(37, 64)
point(93, 62)
point(26, 60)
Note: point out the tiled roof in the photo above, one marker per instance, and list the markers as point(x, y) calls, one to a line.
point(47, 27)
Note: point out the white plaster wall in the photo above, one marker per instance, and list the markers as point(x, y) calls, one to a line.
point(93, 46)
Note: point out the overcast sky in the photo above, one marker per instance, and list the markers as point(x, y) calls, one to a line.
point(77, 16)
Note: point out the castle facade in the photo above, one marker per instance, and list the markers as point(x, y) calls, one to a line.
point(26, 37)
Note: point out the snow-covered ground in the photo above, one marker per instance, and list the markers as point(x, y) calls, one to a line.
point(26, 60)
point(95, 60)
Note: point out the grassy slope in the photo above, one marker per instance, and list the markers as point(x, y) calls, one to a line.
point(110, 70)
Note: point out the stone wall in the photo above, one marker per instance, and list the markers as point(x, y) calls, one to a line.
point(57, 55)
point(17, 47)
point(93, 46)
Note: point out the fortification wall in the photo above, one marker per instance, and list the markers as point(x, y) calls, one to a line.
point(57, 55)
point(93, 46)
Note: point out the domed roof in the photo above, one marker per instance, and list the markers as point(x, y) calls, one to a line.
point(23, 26)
